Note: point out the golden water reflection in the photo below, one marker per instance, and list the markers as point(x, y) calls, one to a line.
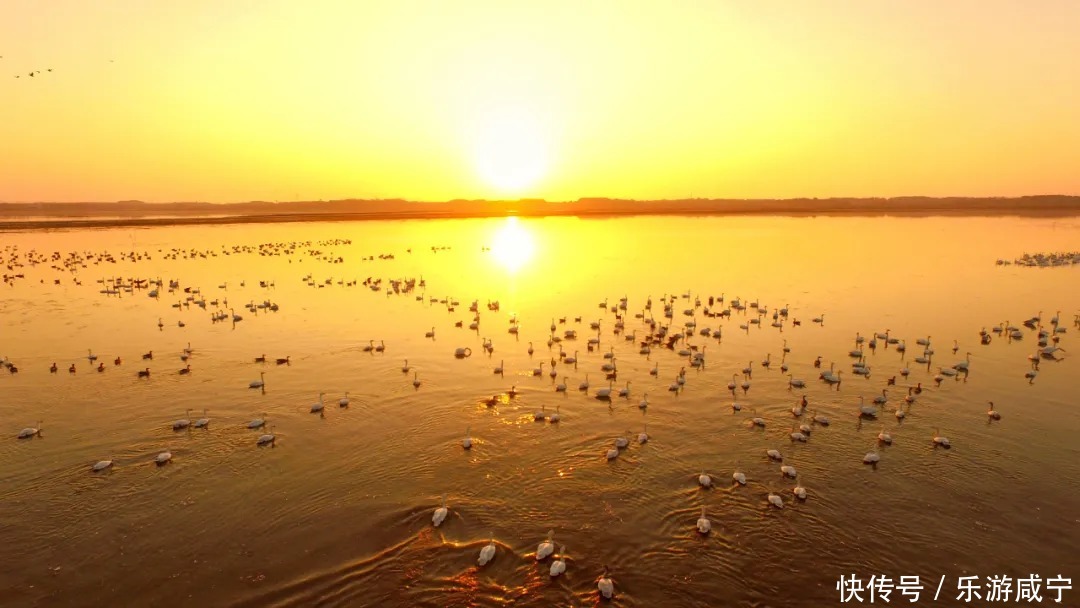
point(512, 245)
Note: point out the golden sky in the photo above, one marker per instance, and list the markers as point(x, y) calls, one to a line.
point(273, 100)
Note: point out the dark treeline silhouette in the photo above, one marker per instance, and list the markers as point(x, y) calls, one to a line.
point(140, 213)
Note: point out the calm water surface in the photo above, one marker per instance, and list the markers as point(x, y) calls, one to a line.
point(339, 512)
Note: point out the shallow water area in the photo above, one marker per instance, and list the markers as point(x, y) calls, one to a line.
point(338, 510)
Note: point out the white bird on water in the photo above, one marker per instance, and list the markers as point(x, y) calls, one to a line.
point(440, 513)
point(257, 422)
point(467, 441)
point(267, 438)
point(776, 501)
point(545, 548)
point(318, 407)
point(101, 465)
point(559, 565)
point(30, 431)
point(488, 552)
point(884, 437)
point(203, 422)
point(940, 440)
point(738, 477)
point(799, 491)
point(871, 457)
point(605, 584)
point(704, 480)
point(260, 383)
point(703, 523)
point(643, 436)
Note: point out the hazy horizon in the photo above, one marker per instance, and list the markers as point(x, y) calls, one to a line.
point(203, 101)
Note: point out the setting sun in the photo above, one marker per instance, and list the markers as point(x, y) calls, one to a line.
point(509, 150)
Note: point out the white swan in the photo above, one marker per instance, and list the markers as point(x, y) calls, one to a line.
point(488, 552)
point(788, 471)
point(704, 480)
point(203, 422)
point(584, 386)
point(344, 401)
point(440, 514)
point(101, 465)
point(993, 413)
point(797, 435)
point(796, 382)
point(605, 585)
point(561, 388)
point(776, 501)
point(605, 393)
point(405, 368)
point(612, 454)
point(703, 523)
point(545, 548)
point(884, 437)
point(871, 457)
point(644, 401)
point(261, 382)
point(643, 436)
point(799, 491)
point(318, 407)
point(738, 477)
point(774, 454)
point(622, 441)
point(267, 438)
point(499, 369)
point(939, 440)
point(184, 422)
point(625, 391)
point(559, 565)
point(540, 414)
point(556, 416)
point(757, 420)
point(963, 365)
point(163, 457)
point(467, 441)
point(416, 380)
point(868, 411)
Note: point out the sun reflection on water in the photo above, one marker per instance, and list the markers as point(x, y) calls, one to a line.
point(513, 245)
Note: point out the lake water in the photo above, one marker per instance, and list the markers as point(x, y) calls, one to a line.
point(338, 512)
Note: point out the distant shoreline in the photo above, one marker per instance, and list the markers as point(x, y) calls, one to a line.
point(41, 216)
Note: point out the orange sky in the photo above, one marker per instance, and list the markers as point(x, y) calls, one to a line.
point(274, 100)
